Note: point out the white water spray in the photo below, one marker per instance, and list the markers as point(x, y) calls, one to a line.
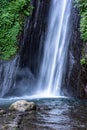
point(55, 50)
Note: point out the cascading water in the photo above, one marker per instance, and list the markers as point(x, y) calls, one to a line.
point(8, 76)
point(17, 80)
point(56, 49)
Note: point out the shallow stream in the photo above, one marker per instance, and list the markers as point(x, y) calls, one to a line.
point(54, 114)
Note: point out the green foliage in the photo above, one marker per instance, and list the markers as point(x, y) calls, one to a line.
point(83, 61)
point(82, 4)
point(12, 16)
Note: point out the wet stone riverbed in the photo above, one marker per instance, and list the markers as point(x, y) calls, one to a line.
point(51, 114)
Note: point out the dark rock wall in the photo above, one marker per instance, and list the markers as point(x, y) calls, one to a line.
point(75, 49)
point(83, 75)
point(33, 37)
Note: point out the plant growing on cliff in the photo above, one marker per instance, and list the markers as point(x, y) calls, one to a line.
point(12, 16)
point(82, 4)
point(83, 61)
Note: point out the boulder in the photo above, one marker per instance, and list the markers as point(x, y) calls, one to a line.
point(2, 111)
point(22, 105)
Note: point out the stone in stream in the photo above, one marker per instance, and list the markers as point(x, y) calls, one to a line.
point(2, 111)
point(22, 105)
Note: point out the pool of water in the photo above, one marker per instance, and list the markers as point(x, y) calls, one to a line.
point(55, 114)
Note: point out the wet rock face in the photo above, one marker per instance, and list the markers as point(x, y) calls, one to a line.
point(83, 74)
point(7, 75)
point(76, 79)
point(32, 40)
point(10, 120)
point(83, 82)
point(75, 50)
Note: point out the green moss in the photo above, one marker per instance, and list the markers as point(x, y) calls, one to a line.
point(82, 4)
point(12, 17)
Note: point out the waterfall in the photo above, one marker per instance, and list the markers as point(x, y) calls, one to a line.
point(8, 72)
point(55, 49)
point(17, 77)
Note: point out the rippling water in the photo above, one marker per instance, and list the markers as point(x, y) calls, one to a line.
point(56, 114)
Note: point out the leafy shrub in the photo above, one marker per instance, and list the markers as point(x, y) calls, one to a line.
point(12, 16)
point(82, 4)
point(83, 61)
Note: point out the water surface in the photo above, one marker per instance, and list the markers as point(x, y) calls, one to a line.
point(55, 114)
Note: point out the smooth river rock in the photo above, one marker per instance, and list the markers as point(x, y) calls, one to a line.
point(22, 105)
point(2, 111)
